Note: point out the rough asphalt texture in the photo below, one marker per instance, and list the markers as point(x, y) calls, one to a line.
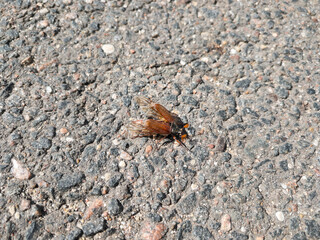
point(244, 74)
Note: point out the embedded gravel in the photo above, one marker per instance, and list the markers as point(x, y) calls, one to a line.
point(245, 75)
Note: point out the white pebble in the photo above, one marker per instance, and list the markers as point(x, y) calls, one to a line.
point(233, 51)
point(19, 171)
point(280, 216)
point(48, 89)
point(194, 187)
point(122, 164)
point(69, 139)
point(43, 11)
point(108, 48)
point(116, 142)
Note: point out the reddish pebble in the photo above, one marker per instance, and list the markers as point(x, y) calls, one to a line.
point(19, 171)
point(148, 149)
point(63, 130)
point(90, 210)
point(151, 231)
point(125, 156)
point(43, 184)
point(25, 204)
point(211, 146)
point(226, 223)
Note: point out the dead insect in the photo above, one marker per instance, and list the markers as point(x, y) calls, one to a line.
point(160, 122)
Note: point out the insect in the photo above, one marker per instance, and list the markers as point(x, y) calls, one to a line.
point(161, 122)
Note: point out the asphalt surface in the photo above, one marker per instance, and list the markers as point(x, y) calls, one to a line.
point(245, 75)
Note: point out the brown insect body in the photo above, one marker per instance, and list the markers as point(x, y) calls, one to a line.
point(165, 123)
point(149, 127)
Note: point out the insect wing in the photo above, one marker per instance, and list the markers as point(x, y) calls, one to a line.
point(149, 127)
point(155, 110)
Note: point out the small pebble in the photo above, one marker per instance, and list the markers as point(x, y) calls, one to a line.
point(194, 187)
point(71, 15)
point(148, 149)
point(63, 130)
point(116, 142)
point(125, 156)
point(122, 164)
point(19, 171)
point(96, 203)
point(17, 215)
point(49, 89)
point(152, 231)
point(114, 207)
point(280, 216)
point(25, 204)
point(11, 210)
point(108, 49)
point(225, 223)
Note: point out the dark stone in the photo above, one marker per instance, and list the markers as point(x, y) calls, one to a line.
point(7, 90)
point(226, 157)
point(161, 196)
point(239, 236)
point(32, 229)
point(94, 27)
point(299, 236)
point(75, 234)
point(202, 233)
point(186, 227)
point(304, 144)
point(276, 233)
point(42, 144)
point(96, 191)
point(201, 214)
point(294, 223)
point(286, 148)
point(282, 92)
point(203, 114)
point(262, 163)
point(215, 226)
point(312, 195)
point(50, 132)
point(89, 152)
point(159, 161)
point(190, 100)
point(249, 111)
point(313, 228)
point(115, 152)
point(316, 106)
point(126, 101)
point(206, 191)
point(201, 153)
point(155, 217)
point(188, 203)
point(115, 180)
point(287, 85)
point(114, 207)
point(89, 138)
point(284, 165)
point(244, 84)
point(8, 118)
point(223, 115)
point(210, 13)
point(200, 66)
point(94, 227)
point(220, 144)
point(311, 91)
point(70, 180)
